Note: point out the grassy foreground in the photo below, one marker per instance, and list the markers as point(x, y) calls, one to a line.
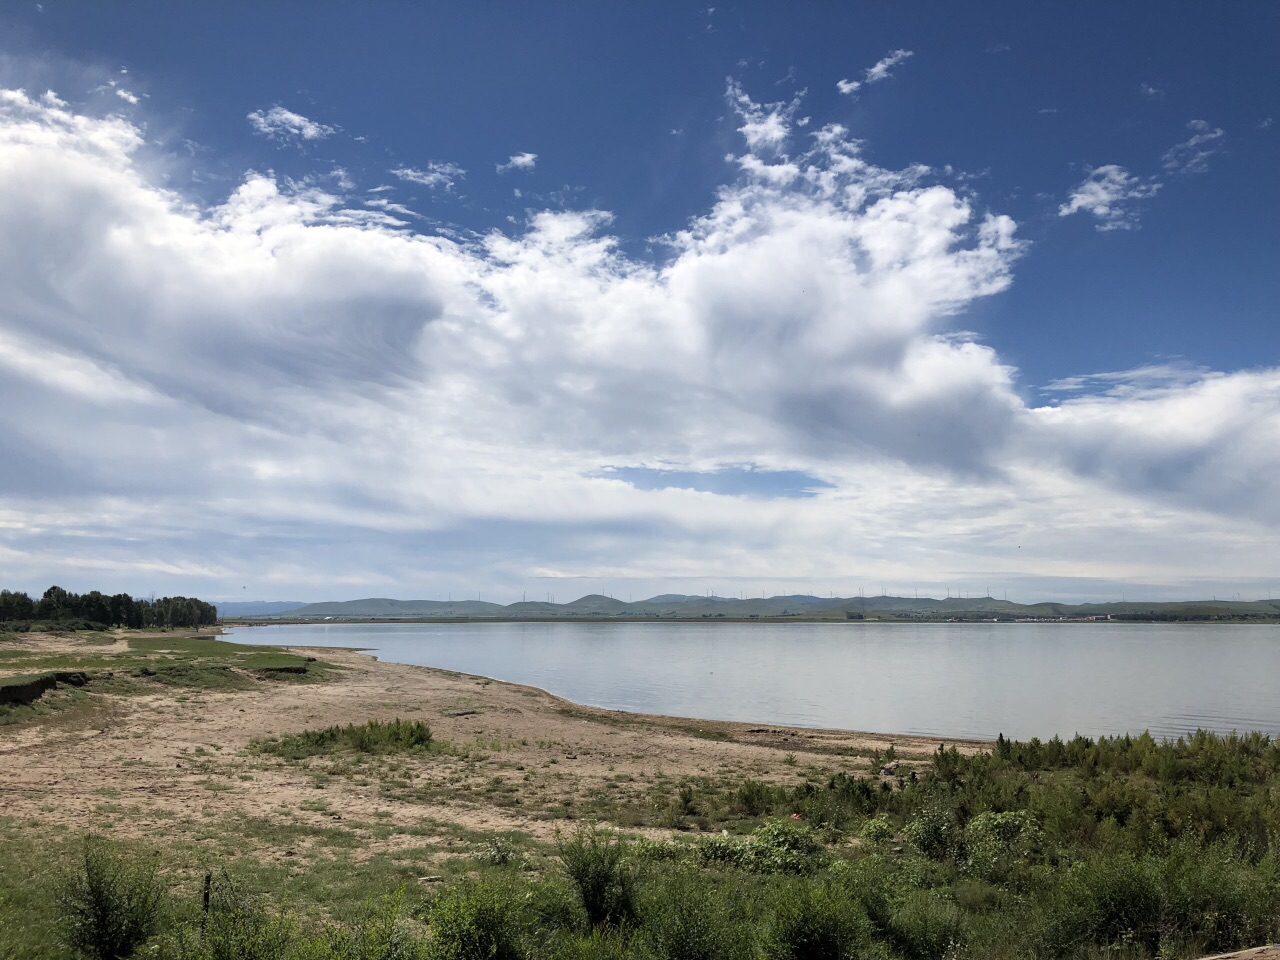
point(1119, 848)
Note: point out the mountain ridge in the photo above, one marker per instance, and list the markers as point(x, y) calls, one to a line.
point(803, 606)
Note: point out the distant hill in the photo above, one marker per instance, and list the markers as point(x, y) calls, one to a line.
point(682, 606)
point(257, 608)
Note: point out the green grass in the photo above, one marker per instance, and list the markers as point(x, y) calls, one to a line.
point(376, 738)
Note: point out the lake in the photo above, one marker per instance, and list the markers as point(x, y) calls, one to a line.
point(936, 679)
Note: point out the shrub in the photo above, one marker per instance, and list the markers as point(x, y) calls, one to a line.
point(111, 905)
point(473, 923)
point(924, 927)
point(997, 843)
point(1214, 900)
point(374, 737)
point(595, 862)
point(753, 798)
point(778, 846)
point(501, 852)
point(935, 832)
point(877, 830)
point(817, 922)
point(377, 935)
point(1106, 901)
point(685, 921)
point(237, 927)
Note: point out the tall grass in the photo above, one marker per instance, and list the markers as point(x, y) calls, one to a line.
point(373, 737)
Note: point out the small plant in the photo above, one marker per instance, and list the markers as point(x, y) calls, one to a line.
point(753, 798)
point(817, 923)
point(779, 846)
point(500, 852)
point(595, 863)
point(877, 830)
point(473, 923)
point(378, 934)
point(111, 905)
point(233, 926)
point(683, 922)
point(374, 737)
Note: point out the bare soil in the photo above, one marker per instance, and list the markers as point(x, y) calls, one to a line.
point(166, 762)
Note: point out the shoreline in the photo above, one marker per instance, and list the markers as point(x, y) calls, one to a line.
point(133, 757)
point(909, 741)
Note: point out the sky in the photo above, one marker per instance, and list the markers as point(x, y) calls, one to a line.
point(326, 301)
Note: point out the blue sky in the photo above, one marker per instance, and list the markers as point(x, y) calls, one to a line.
point(326, 300)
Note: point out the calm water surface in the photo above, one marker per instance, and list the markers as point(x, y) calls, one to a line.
point(960, 680)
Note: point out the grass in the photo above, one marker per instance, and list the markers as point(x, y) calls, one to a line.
point(376, 738)
point(172, 661)
point(1074, 850)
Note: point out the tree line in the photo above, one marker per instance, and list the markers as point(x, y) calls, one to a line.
point(118, 610)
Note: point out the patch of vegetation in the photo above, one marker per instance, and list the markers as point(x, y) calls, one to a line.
point(111, 905)
point(376, 737)
point(1121, 847)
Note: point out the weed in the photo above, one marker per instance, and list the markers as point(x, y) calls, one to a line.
point(111, 905)
point(595, 863)
point(373, 737)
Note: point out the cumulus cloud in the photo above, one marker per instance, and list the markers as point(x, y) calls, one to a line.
point(290, 387)
point(126, 96)
point(284, 125)
point(436, 175)
point(1110, 194)
point(518, 161)
point(1192, 155)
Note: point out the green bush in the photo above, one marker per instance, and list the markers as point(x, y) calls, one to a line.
point(475, 922)
point(817, 922)
point(877, 830)
point(112, 904)
point(753, 798)
point(683, 919)
point(935, 831)
point(237, 927)
point(1215, 900)
point(1106, 900)
point(379, 934)
point(596, 864)
point(996, 844)
point(925, 927)
point(777, 846)
point(374, 737)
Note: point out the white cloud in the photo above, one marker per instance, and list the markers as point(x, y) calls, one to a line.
point(880, 70)
point(436, 175)
point(289, 388)
point(518, 161)
point(280, 124)
point(1192, 155)
point(1110, 194)
point(1150, 92)
point(126, 96)
point(387, 206)
point(875, 73)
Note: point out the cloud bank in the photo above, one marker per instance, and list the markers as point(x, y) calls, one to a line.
point(295, 390)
